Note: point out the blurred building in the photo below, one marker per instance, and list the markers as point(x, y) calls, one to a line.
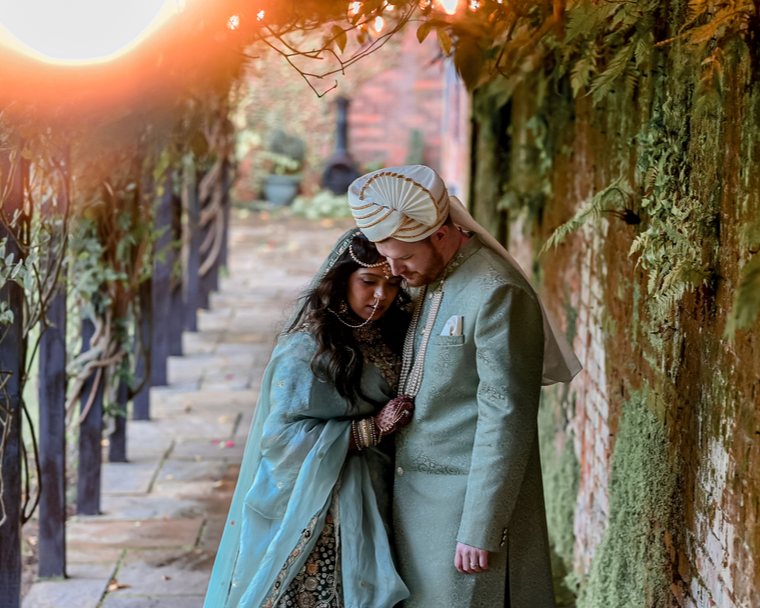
point(407, 106)
point(417, 111)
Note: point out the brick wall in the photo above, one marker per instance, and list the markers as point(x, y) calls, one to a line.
point(385, 110)
point(699, 388)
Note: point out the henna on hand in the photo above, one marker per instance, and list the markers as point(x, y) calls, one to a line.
point(396, 414)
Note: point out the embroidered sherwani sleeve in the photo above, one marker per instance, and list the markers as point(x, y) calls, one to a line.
point(509, 343)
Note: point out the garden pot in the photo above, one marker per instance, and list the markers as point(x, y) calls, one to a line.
point(280, 190)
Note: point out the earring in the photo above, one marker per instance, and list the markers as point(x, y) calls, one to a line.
point(343, 308)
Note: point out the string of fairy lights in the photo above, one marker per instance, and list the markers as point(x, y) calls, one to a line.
point(449, 7)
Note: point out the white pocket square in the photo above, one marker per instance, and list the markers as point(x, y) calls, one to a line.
point(454, 326)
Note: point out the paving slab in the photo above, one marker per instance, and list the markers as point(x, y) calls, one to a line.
point(154, 602)
point(128, 477)
point(147, 533)
point(164, 572)
point(164, 511)
point(208, 450)
point(150, 506)
point(83, 589)
point(94, 555)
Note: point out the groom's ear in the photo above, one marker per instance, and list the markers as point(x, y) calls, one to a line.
point(439, 236)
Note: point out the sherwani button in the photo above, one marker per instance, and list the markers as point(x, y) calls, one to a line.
point(399, 472)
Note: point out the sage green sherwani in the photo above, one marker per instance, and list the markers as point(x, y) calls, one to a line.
point(468, 465)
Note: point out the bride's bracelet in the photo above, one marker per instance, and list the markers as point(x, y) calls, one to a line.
point(364, 433)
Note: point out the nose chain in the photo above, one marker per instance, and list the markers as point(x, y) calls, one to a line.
point(410, 380)
point(369, 320)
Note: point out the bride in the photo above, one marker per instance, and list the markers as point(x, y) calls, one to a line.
point(309, 521)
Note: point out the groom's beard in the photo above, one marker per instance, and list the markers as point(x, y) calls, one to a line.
point(430, 273)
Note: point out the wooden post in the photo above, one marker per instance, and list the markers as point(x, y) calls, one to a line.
point(177, 297)
point(117, 441)
point(220, 186)
point(205, 282)
point(90, 435)
point(226, 205)
point(161, 288)
point(191, 278)
point(52, 404)
point(141, 401)
point(12, 358)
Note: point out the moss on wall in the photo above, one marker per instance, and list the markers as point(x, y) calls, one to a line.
point(647, 288)
point(561, 475)
point(630, 567)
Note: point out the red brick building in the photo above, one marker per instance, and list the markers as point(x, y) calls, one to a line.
point(403, 91)
point(421, 93)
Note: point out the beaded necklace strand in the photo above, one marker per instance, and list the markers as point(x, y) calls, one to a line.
point(367, 322)
point(410, 380)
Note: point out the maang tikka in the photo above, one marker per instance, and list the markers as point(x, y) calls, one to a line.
point(384, 266)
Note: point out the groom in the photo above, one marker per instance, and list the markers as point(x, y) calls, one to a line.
point(469, 518)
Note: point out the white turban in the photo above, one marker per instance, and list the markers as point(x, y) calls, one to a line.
point(405, 203)
point(411, 203)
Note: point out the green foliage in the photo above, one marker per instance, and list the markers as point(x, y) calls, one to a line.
point(561, 470)
point(603, 201)
point(746, 308)
point(671, 248)
point(630, 566)
point(415, 155)
point(324, 204)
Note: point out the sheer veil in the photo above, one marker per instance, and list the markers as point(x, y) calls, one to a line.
point(221, 590)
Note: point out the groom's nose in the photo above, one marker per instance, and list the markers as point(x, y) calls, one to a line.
point(396, 267)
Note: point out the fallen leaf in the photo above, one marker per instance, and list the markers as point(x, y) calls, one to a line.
point(114, 585)
point(223, 419)
point(166, 578)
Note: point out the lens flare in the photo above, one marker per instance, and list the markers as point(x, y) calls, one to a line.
point(450, 6)
point(76, 32)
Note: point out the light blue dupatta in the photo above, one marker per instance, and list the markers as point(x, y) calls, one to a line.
point(296, 462)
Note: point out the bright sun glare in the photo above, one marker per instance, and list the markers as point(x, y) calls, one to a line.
point(75, 32)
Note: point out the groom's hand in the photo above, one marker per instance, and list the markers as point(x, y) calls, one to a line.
point(470, 560)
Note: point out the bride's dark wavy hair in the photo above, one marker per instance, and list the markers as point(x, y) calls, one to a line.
point(339, 359)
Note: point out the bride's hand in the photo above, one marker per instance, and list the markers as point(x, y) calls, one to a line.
point(396, 414)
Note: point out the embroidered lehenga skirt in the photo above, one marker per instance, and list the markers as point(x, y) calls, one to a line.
point(318, 584)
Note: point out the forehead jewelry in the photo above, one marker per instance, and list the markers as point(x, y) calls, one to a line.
point(384, 266)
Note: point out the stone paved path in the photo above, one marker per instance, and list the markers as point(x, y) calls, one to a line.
point(154, 544)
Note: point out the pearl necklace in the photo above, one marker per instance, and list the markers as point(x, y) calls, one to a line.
point(410, 380)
